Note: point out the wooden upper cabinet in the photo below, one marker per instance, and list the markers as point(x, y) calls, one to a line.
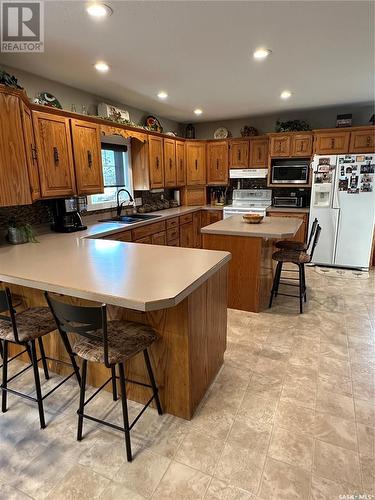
point(14, 178)
point(87, 157)
point(239, 153)
point(170, 170)
point(54, 149)
point(258, 152)
point(180, 163)
point(30, 150)
point(331, 142)
point(217, 163)
point(302, 145)
point(155, 155)
point(280, 145)
point(195, 163)
point(362, 141)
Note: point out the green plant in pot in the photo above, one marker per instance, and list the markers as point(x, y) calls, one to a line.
point(20, 233)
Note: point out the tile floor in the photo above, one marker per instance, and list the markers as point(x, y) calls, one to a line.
point(290, 416)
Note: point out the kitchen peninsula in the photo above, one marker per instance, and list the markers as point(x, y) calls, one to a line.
point(251, 246)
point(181, 292)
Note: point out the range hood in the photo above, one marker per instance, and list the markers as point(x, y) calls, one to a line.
point(248, 173)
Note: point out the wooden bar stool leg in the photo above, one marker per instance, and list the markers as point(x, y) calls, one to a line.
point(4, 377)
point(37, 384)
point(82, 400)
point(114, 382)
point(152, 381)
point(43, 356)
point(125, 412)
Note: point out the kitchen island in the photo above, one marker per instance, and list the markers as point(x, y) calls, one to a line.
point(180, 292)
point(251, 246)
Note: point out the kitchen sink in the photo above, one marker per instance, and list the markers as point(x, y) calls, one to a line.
point(131, 219)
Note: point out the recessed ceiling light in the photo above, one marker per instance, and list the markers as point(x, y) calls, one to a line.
point(99, 10)
point(162, 95)
point(285, 94)
point(262, 53)
point(101, 66)
point(198, 111)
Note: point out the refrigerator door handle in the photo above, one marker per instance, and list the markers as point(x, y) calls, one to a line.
point(335, 186)
point(337, 214)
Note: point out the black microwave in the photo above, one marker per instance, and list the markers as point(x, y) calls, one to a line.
point(290, 171)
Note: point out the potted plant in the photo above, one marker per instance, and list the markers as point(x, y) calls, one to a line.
point(20, 233)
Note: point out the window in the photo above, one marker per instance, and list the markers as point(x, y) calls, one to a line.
point(116, 175)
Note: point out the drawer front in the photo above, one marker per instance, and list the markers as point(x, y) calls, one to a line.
point(159, 238)
point(173, 233)
point(174, 243)
point(146, 239)
point(143, 231)
point(123, 236)
point(172, 223)
point(184, 219)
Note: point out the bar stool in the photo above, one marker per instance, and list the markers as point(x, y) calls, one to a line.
point(111, 343)
point(299, 258)
point(24, 328)
point(298, 245)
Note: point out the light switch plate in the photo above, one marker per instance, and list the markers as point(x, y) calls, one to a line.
point(138, 202)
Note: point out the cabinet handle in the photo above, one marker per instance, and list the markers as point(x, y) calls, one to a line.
point(259, 154)
point(34, 155)
point(196, 164)
point(332, 143)
point(157, 162)
point(368, 141)
point(89, 159)
point(56, 158)
point(239, 155)
point(300, 146)
point(217, 163)
point(170, 162)
point(181, 164)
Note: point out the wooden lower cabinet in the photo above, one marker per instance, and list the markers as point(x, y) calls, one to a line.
point(211, 216)
point(197, 224)
point(301, 234)
point(174, 243)
point(159, 238)
point(187, 235)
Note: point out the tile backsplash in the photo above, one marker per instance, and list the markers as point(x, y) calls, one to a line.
point(35, 214)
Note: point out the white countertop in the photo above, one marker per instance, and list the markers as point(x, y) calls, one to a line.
point(131, 275)
point(270, 227)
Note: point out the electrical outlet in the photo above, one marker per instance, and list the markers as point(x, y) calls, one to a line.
point(138, 202)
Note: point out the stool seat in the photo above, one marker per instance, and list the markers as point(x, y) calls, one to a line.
point(32, 323)
point(291, 245)
point(125, 340)
point(292, 256)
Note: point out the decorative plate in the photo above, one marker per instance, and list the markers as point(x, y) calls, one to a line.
point(47, 99)
point(221, 133)
point(153, 123)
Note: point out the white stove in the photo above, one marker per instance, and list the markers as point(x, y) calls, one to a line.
point(249, 200)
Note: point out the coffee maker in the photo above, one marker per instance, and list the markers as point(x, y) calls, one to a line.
point(66, 214)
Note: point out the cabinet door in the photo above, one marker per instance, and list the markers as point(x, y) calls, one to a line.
point(196, 163)
point(187, 235)
point(197, 222)
point(140, 162)
point(87, 157)
point(211, 216)
point(180, 163)
point(53, 141)
point(302, 145)
point(258, 153)
point(362, 141)
point(239, 153)
point(155, 154)
point(280, 145)
point(217, 163)
point(170, 171)
point(332, 142)
point(159, 238)
point(14, 179)
point(30, 150)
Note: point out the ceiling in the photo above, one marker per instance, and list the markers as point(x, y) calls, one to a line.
point(200, 52)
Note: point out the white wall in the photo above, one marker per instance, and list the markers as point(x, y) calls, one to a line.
point(67, 96)
point(317, 118)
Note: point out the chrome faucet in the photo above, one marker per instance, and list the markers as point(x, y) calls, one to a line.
point(119, 205)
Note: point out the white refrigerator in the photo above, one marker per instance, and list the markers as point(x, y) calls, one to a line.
point(343, 201)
